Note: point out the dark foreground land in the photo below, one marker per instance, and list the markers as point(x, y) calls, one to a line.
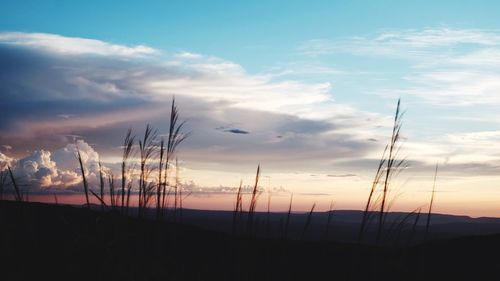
point(51, 242)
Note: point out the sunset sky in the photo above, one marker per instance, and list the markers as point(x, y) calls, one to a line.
point(308, 89)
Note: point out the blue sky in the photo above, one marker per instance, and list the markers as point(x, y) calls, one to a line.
point(255, 34)
point(314, 83)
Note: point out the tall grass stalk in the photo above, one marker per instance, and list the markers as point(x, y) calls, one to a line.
point(160, 183)
point(237, 208)
point(18, 196)
point(128, 144)
point(268, 215)
point(174, 139)
point(369, 203)
point(84, 178)
point(101, 185)
point(393, 165)
point(308, 222)
point(177, 193)
point(112, 197)
point(414, 227)
point(99, 198)
point(287, 221)
point(400, 226)
point(3, 183)
point(253, 201)
point(427, 223)
point(146, 150)
point(329, 219)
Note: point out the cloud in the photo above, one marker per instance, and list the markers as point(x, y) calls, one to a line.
point(73, 45)
point(41, 172)
point(342, 175)
point(237, 131)
point(440, 66)
point(410, 43)
point(5, 161)
point(232, 130)
point(188, 55)
point(53, 96)
point(43, 169)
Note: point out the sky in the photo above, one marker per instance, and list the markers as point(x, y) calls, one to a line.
point(308, 89)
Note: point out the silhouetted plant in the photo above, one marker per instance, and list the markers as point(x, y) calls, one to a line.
point(369, 204)
point(308, 222)
point(147, 149)
point(128, 144)
point(160, 184)
point(253, 201)
point(287, 221)
point(393, 166)
point(84, 178)
point(237, 208)
point(413, 231)
point(18, 196)
point(101, 186)
point(329, 219)
point(3, 183)
point(174, 139)
point(112, 195)
point(430, 206)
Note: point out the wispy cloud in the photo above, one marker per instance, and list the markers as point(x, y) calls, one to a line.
point(73, 45)
point(408, 43)
point(442, 66)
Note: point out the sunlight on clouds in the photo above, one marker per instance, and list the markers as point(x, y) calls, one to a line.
point(297, 129)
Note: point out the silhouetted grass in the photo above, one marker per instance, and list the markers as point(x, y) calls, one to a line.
point(287, 220)
point(175, 137)
point(84, 178)
point(369, 203)
point(329, 219)
point(3, 183)
point(238, 208)
point(18, 196)
point(147, 148)
point(308, 222)
point(393, 165)
point(101, 186)
point(413, 231)
point(128, 151)
point(160, 184)
point(427, 223)
point(253, 202)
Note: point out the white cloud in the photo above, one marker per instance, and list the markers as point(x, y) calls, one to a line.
point(188, 55)
point(483, 57)
point(455, 87)
point(44, 169)
point(39, 170)
point(408, 43)
point(5, 161)
point(431, 37)
point(73, 45)
point(444, 66)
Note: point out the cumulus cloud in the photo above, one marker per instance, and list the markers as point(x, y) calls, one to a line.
point(43, 169)
point(39, 170)
point(5, 161)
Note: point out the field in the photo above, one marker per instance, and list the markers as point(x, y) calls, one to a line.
point(60, 242)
